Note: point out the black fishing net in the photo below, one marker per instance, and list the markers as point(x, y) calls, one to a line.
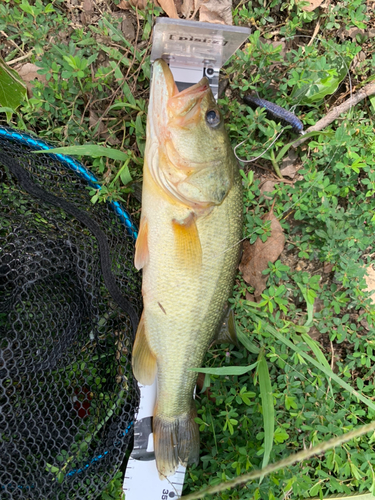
point(69, 303)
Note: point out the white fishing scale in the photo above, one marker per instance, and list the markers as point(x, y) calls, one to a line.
point(192, 50)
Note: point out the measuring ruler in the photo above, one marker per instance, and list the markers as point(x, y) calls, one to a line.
point(192, 50)
point(142, 480)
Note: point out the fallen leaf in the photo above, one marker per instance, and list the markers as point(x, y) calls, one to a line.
point(287, 167)
point(313, 4)
point(88, 11)
point(216, 11)
point(370, 282)
point(354, 31)
point(267, 187)
point(169, 8)
point(314, 333)
point(28, 73)
point(255, 257)
point(289, 171)
point(186, 7)
point(327, 267)
point(128, 4)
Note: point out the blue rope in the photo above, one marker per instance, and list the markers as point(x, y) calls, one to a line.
point(74, 471)
point(75, 166)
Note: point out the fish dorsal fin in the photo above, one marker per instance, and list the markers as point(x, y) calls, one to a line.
point(227, 332)
point(188, 250)
point(141, 246)
point(143, 360)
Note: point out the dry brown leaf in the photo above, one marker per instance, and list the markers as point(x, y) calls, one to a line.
point(314, 4)
point(287, 167)
point(124, 5)
point(169, 8)
point(255, 257)
point(370, 282)
point(249, 296)
point(267, 188)
point(187, 7)
point(216, 11)
point(327, 267)
point(127, 4)
point(289, 171)
point(88, 11)
point(28, 73)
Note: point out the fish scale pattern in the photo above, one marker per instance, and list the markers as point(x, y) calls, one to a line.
point(67, 394)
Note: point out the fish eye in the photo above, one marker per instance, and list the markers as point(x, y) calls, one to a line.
point(212, 118)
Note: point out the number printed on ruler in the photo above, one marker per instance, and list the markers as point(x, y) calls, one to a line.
point(166, 495)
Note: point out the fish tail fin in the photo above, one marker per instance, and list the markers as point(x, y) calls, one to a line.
point(176, 441)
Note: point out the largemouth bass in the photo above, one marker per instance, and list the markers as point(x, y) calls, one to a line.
point(190, 228)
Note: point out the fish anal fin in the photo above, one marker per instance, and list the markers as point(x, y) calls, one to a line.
point(188, 250)
point(176, 441)
point(141, 246)
point(143, 360)
point(227, 332)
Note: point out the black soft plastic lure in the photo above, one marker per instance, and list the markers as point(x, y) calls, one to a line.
point(275, 112)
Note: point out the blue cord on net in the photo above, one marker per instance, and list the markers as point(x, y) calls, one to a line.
point(75, 166)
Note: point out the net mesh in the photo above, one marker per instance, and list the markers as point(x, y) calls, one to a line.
point(67, 395)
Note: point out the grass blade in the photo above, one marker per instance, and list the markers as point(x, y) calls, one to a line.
point(298, 457)
point(226, 370)
point(267, 407)
point(246, 342)
point(319, 355)
point(87, 150)
point(327, 371)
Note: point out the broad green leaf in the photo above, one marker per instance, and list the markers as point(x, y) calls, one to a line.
point(88, 150)
point(12, 89)
point(372, 100)
point(267, 407)
point(327, 371)
point(317, 88)
point(226, 370)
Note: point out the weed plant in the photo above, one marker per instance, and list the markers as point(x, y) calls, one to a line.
point(96, 92)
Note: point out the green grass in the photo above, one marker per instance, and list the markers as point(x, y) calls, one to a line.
point(327, 214)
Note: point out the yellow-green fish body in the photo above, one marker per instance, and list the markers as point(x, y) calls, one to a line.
point(188, 248)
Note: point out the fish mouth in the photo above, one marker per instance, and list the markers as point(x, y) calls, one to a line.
point(169, 105)
point(171, 113)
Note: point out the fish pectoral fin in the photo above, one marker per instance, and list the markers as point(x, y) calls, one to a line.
point(227, 332)
point(141, 245)
point(143, 360)
point(188, 248)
